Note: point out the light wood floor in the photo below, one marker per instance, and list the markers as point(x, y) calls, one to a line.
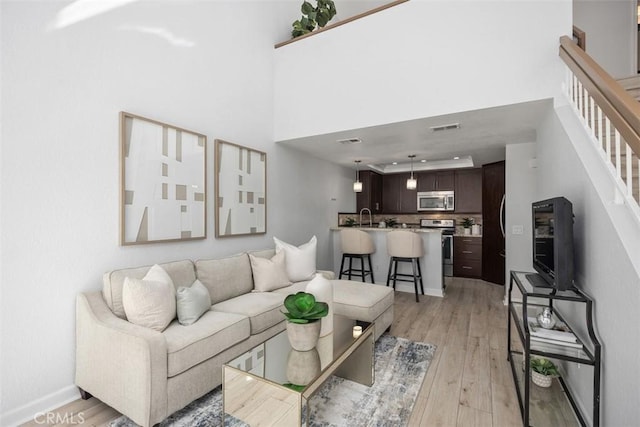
point(468, 383)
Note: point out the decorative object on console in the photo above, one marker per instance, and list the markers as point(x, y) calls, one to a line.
point(545, 318)
point(241, 190)
point(542, 371)
point(303, 315)
point(324, 11)
point(163, 182)
point(357, 186)
point(412, 183)
point(300, 261)
point(192, 302)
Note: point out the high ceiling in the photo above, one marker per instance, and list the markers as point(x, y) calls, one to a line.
point(481, 138)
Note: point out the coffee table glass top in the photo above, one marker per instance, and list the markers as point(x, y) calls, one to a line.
point(270, 384)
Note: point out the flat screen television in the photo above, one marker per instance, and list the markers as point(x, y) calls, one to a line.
point(552, 244)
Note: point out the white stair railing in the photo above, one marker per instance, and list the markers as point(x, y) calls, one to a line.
point(608, 139)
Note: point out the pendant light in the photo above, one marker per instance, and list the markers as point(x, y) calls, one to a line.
point(357, 186)
point(412, 183)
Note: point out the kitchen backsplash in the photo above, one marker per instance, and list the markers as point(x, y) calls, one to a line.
point(411, 220)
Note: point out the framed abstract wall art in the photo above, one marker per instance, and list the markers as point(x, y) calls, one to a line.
point(241, 190)
point(163, 182)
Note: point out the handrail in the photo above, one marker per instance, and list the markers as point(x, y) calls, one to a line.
point(580, 37)
point(620, 107)
point(344, 21)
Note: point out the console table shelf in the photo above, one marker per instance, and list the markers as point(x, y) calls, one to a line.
point(556, 405)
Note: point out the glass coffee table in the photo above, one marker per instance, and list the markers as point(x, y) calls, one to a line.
point(257, 386)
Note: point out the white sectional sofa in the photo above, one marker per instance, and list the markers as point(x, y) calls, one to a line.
point(147, 375)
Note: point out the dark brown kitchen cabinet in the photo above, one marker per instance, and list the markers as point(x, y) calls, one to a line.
point(493, 252)
point(468, 191)
point(396, 198)
point(467, 256)
point(371, 195)
point(436, 181)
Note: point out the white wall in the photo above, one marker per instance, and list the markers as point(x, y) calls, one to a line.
point(439, 57)
point(611, 29)
point(603, 268)
point(61, 94)
point(520, 189)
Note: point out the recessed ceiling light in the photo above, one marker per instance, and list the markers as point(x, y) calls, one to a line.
point(394, 163)
point(423, 161)
point(456, 158)
point(445, 127)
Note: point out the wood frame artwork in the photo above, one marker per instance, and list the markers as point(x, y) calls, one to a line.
point(163, 195)
point(241, 190)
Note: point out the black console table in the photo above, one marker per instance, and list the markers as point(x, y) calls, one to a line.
point(554, 406)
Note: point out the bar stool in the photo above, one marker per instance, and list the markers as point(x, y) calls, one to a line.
point(356, 244)
point(405, 246)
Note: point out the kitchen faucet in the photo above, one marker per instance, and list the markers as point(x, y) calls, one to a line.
point(370, 217)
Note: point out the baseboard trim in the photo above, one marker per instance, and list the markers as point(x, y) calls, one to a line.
point(42, 405)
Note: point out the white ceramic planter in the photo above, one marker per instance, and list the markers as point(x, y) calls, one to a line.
point(303, 336)
point(322, 289)
point(541, 380)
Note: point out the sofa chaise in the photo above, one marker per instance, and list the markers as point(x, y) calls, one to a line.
point(148, 375)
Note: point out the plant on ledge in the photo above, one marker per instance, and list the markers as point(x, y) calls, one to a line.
point(320, 15)
point(390, 222)
point(467, 222)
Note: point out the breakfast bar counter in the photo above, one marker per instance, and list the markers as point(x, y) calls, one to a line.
point(431, 262)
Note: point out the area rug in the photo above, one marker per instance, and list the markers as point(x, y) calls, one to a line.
point(400, 367)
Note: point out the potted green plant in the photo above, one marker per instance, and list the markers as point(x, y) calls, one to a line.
point(390, 222)
point(542, 371)
point(303, 315)
point(349, 222)
point(467, 223)
point(319, 15)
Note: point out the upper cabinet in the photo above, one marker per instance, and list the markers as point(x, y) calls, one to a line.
point(436, 181)
point(468, 191)
point(371, 195)
point(395, 196)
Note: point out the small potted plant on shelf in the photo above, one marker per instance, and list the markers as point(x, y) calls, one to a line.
point(542, 371)
point(303, 315)
point(349, 222)
point(319, 15)
point(467, 223)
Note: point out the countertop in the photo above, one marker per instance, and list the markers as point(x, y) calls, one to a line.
point(416, 230)
point(467, 235)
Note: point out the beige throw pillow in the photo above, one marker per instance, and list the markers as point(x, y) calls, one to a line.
point(300, 260)
point(192, 302)
point(269, 274)
point(150, 302)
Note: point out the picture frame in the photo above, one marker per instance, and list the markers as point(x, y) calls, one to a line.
point(240, 190)
point(163, 193)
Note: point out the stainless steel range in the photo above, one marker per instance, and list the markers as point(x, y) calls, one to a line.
point(448, 227)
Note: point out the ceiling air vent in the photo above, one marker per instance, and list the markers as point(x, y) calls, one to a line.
point(350, 141)
point(445, 127)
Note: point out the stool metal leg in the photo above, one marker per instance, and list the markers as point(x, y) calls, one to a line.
point(415, 277)
point(362, 268)
point(390, 266)
point(395, 272)
point(350, 266)
point(370, 268)
point(342, 266)
point(420, 276)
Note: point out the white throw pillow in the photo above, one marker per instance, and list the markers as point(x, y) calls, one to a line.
point(300, 261)
point(150, 302)
point(192, 302)
point(269, 274)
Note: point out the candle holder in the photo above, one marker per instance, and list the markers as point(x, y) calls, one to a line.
point(357, 331)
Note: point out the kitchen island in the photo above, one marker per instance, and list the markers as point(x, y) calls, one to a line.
point(431, 262)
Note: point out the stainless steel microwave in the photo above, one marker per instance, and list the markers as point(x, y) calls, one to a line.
point(436, 201)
